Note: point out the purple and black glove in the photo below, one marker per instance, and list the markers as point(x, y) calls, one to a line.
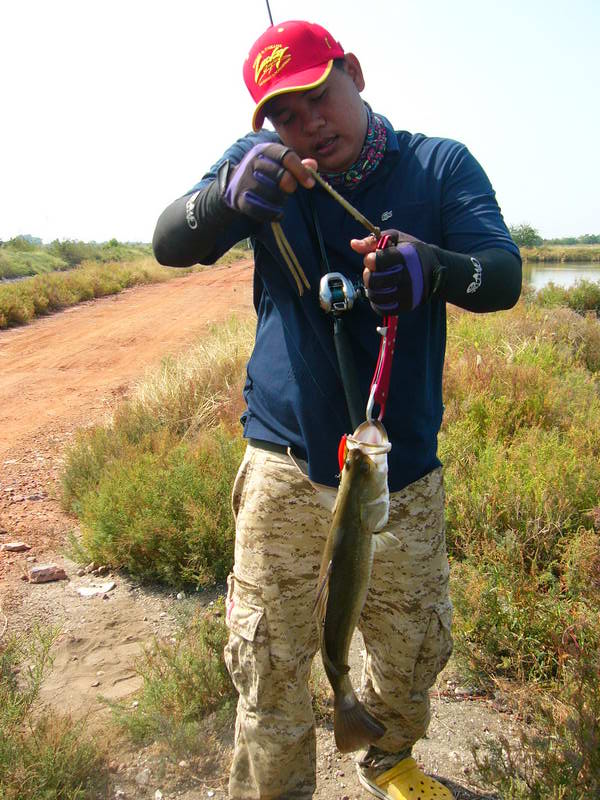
point(406, 274)
point(253, 186)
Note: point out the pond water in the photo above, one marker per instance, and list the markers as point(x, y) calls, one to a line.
point(562, 274)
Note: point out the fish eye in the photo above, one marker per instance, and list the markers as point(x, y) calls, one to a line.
point(352, 456)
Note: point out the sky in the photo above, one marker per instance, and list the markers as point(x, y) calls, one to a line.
point(111, 110)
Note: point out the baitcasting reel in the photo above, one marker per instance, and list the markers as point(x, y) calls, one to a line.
point(337, 293)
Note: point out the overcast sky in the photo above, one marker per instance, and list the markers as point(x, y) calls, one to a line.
point(110, 110)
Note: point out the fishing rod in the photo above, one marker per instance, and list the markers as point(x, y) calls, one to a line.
point(269, 10)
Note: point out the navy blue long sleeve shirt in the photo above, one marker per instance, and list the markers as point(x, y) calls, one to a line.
point(431, 188)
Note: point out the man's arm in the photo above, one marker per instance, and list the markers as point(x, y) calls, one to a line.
point(482, 263)
point(489, 280)
point(479, 268)
point(199, 227)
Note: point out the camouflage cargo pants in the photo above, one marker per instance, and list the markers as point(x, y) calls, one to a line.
point(282, 521)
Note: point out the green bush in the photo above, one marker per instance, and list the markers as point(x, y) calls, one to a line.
point(557, 757)
point(74, 252)
point(98, 448)
point(539, 487)
point(582, 296)
point(21, 244)
point(511, 619)
point(21, 263)
point(166, 516)
point(20, 257)
point(525, 235)
point(152, 488)
point(176, 401)
point(42, 754)
point(521, 446)
point(186, 693)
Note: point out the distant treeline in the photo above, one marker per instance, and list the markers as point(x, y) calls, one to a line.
point(27, 255)
point(525, 235)
point(587, 238)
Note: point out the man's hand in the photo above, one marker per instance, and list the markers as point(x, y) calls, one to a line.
point(260, 183)
point(400, 277)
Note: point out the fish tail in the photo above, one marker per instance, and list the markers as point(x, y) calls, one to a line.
point(353, 726)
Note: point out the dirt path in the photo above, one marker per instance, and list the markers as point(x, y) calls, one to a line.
point(66, 371)
point(67, 366)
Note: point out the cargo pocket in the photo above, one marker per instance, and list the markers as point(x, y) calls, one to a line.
point(247, 652)
point(436, 648)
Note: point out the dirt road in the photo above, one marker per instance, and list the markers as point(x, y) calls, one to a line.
point(67, 366)
point(69, 370)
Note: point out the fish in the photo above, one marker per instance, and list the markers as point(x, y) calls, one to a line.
point(361, 508)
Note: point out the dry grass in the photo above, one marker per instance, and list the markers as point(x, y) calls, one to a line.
point(561, 252)
point(22, 301)
point(200, 387)
point(32, 297)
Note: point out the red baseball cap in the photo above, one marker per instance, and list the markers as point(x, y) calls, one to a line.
point(292, 56)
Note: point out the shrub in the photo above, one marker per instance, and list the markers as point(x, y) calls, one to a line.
point(21, 302)
point(166, 516)
point(19, 264)
point(556, 253)
point(182, 397)
point(521, 446)
point(21, 244)
point(582, 296)
point(511, 620)
point(558, 756)
point(539, 488)
point(42, 754)
point(186, 692)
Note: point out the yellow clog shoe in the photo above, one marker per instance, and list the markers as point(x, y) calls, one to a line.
point(404, 781)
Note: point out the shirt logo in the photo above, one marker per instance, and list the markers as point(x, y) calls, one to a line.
point(190, 211)
point(386, 215)
point(269, 63)
point(476, 283)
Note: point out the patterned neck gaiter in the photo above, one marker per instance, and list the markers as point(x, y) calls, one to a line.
point(368, 159)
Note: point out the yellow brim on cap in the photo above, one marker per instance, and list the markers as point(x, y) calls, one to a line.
point(258, 117)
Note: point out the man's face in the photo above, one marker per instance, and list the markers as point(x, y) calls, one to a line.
point(328, 123)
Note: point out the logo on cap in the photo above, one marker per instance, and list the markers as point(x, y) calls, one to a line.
point(269, 63)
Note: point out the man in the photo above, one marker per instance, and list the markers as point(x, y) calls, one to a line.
point(448, 244)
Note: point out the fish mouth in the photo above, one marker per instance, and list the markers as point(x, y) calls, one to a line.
point(371, 437)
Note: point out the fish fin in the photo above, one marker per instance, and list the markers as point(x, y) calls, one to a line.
point(384, 540)
point(320, 606)
point(374, 515)
point(353, 726)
